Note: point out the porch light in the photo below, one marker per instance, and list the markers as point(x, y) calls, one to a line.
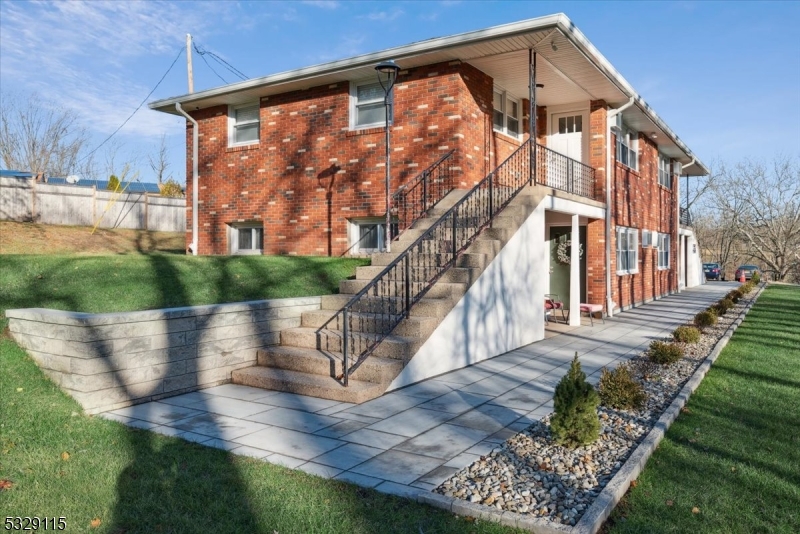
point(390, 69)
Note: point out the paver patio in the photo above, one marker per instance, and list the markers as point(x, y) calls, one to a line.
point(412, 439)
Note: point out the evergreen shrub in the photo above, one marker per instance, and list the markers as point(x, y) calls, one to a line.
point(619, 389)
point(686, 334)
point(575, 420)
point(665, 353)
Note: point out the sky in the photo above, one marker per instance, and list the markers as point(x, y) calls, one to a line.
point(725, 76)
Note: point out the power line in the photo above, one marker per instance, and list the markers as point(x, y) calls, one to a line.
point(215, 57)
point(203, 57)
point(107, 139)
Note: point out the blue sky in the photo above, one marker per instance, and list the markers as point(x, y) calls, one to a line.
point(724, 75)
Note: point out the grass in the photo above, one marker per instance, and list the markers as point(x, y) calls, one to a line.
point(105, 477)
point(136, 282)
point(731, 461)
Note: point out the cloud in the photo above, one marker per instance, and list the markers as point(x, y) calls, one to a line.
point(384, 15)
point(322, 4)
point(349, 46)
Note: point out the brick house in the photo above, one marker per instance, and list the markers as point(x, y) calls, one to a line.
point(294, 163)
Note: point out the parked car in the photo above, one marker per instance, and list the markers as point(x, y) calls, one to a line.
point(748, 271)
point(713, 271)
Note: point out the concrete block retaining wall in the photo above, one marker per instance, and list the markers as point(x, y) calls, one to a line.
point(110, 360)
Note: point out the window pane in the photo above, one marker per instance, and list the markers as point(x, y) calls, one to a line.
point(513, 126)
point(497, 101)
point(370, 92)
point(245, 238)
point(368, 236)
point(513, 110)
point(247, 114)
point(245, 133)
point(498, 120)
point(258, 238)
point(570, 124)
point(578, 123)
point(371, 114)
point(562, 125)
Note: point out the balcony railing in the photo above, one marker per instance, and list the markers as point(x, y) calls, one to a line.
point(685, 217)
point(562, 172)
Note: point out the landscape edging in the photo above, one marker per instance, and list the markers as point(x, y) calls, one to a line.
point(612, 493)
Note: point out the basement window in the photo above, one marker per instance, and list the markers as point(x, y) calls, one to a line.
point(246, 238)
point(627, 250)
point(368, 235)
point(367, 109)
point(243, 124)
point(506, 113)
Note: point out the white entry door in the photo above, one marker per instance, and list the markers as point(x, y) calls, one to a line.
point(566, 138)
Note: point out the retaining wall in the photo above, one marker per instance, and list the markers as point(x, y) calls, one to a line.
point(107, 361)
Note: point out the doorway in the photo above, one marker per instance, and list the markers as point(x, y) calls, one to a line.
point(559, 243)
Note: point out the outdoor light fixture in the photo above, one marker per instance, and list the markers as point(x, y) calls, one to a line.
point(553, 46)
point(387, 75)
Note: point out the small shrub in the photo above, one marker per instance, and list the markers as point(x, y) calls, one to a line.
point(723, 306)
point(664, 353)
point(756, 278)
point(575, 401)
point(171, 188)
point(705, 318)
point(735, 295)
point(618, 389)
point(686, 334)
point(113, 183)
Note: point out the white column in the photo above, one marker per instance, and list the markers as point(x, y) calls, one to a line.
point(575, 274)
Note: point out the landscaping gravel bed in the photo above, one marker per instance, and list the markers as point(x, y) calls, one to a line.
point(531, 475)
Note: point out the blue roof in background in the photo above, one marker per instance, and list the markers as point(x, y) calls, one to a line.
point(132, 187)
point(16, 174)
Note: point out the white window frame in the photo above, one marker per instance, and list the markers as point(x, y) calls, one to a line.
point(630, 253)
point(233, 238)
point(664, 171)
point(232, 124)
point(354, 104)
point(354, 234)
point(663, 251)
point(505, 99)
point(628, 147)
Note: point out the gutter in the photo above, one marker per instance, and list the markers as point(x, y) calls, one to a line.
point(610, 115)
point(195, 173)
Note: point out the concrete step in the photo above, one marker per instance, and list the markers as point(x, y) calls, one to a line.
point(323, 387)
point(418, 327)
point(392, 346)
point(316, 362)
point(426, 307)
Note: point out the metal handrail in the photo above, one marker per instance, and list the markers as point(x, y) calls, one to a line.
point(685, 217)
point(403, 282)
point(422, 192)
point(564, 173)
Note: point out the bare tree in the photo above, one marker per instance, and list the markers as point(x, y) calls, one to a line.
point(761, 204)
point(159, 162)
point(39, 139)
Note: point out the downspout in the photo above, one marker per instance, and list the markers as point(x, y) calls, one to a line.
point(682, 250)
point(195, 141)
point(611, 114)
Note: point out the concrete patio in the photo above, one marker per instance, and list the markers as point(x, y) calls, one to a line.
point(412, 439)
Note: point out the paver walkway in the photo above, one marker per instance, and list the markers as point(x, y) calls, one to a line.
point(414, 438)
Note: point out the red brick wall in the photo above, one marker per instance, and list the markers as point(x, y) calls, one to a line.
point(308, 174)
point(639, 201)
point(595, 229)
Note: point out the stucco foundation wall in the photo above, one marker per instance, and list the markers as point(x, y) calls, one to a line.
point(694, 261)
point(502, 310)
point(110, 360)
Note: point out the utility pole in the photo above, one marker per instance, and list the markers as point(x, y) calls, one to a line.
point(189, 62)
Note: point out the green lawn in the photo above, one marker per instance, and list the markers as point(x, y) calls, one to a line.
point(133, 481)
point(731, 461)
point(124, 283)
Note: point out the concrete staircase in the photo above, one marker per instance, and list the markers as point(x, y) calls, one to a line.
point(309, 362)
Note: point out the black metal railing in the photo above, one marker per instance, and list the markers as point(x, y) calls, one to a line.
point(415, 198)
point(562, 172)
point(685, 217)
point(375, 311)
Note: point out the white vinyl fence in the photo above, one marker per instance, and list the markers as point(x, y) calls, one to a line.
point(26, 200)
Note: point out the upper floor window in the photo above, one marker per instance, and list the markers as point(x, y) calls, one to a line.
point(664, 176)
point(243, 124)
point(628, 148)
point(663, 251)
point(367, 108)
point(627, 250)
point(506, 113)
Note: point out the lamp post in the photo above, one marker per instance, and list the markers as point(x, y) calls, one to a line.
point(390, 69)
